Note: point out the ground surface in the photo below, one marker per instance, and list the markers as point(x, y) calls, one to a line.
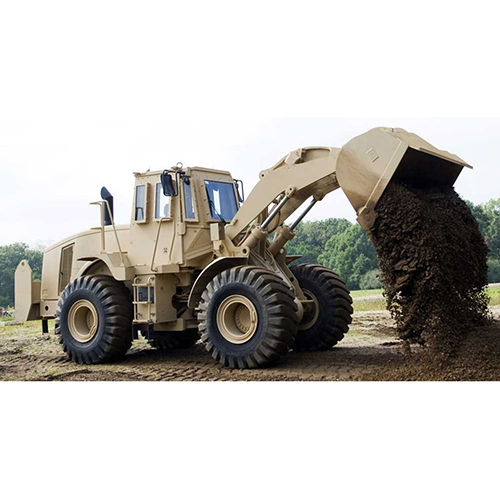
point(370, 351)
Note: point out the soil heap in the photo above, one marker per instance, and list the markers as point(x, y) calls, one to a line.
point(433, 262)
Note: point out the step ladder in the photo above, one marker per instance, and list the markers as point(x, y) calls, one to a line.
point(150, 285)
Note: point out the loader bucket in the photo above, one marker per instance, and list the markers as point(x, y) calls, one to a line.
point(368, 163)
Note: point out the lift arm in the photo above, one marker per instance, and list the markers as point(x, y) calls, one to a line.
point(363, 168)
point(301, 174)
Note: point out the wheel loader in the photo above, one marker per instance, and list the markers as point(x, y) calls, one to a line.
point(200, 262)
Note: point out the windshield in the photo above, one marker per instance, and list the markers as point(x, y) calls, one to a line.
point(221, 199)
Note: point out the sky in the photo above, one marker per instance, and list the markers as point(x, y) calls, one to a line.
point(91, 92)
point(52, 171)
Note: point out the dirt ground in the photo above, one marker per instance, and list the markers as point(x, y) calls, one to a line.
point(369, 352)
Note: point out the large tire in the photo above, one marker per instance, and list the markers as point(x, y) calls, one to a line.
point(247, 317)
point(325, 323)
point(94, 319)
point(170, 341)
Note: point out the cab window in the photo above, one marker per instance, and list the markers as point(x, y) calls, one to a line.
point(140, 203)
point(188, 200)
point(162, 207)
point(222, 200)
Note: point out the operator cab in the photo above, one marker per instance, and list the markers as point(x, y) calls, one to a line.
point(191, 195)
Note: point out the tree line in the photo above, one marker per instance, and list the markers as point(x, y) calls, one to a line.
point(335, 243)
point(344, 247)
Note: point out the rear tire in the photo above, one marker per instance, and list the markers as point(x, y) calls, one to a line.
point(170, 341)
point(326, 323)
point(247, 317)
point(94, 319)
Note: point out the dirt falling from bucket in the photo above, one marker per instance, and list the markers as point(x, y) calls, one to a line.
point(433, 262)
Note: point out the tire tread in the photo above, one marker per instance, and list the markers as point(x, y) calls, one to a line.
point(330, 330)
point(117, 303)
point(280, 307)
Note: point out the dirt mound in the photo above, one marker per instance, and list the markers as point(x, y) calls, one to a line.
point(433, 262)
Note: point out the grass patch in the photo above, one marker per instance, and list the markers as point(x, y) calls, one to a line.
point(369, 305)
point(28, 327)
point(494, 294)
point(362, 303)
point(365, 293)
point(378, 304)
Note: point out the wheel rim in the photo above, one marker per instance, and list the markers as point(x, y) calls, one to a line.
point(83, 321)
point(237, 319)
point(311, 311)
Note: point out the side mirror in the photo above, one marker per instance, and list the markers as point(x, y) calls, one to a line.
point(108, 208)
point(169, 189)
point(241, 194)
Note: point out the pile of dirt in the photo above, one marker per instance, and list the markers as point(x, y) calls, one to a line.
point(433, 262)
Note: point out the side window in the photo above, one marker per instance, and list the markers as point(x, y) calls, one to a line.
point(162, 206)
point(140, 203)
point(188, 200)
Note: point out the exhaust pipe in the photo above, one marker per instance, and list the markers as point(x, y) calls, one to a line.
point(108, 208)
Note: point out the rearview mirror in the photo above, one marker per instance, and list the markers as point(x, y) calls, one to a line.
point(241, 194)
point(169, 188)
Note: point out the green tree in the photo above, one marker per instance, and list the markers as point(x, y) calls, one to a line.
point(493, 270)
point(351, 254)
point(311, 238)
point(370, 280)
point(488, 219)
point(492, 232)
point(10, 256)
point(480, 215)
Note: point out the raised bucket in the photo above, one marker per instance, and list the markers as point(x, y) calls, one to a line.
point(369, 162)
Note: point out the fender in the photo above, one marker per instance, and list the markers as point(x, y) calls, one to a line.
point(214, 268)
point(94, 267)
point(109, 265)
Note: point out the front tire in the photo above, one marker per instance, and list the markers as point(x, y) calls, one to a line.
point(327, 319)
point(247, 317)
point(94, 319)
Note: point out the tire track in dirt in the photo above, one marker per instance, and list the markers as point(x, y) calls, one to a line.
point(370, 352)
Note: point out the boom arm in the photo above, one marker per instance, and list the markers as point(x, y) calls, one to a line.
point(363, 168)
point(301, 174)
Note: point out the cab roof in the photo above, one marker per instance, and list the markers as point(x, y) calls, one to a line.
point(186, 170)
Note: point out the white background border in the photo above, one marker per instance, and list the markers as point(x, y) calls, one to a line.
point(168, 59)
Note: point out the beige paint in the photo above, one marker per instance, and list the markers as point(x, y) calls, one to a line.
point(174, 257)
point(237, 319)
point(83, 321)
point(27, 296)
point(367, 163)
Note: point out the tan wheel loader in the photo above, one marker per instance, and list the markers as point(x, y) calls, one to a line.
point(198, 262)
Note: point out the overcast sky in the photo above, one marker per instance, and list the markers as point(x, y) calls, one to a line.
point(51, 171)
point(91, 92)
